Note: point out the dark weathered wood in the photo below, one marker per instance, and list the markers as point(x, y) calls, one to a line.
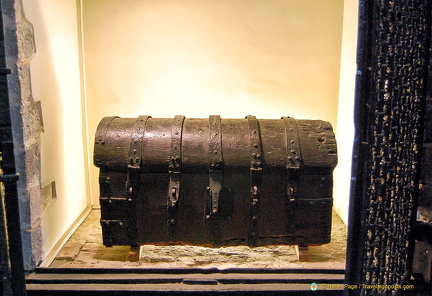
point(317, 144)
point(134, 254)
point(216, 182)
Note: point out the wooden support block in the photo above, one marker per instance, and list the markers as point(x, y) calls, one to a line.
point(302, 253)
point(134, 254)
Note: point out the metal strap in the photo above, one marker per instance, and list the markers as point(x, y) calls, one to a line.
point(135, 147)
point(101, 133)
point(255, 177)
point(105, 186)
point(133, 175)
point(104, 183)
point(215, 177)
point(215, 143)
point(103, 128)
point(215, 162)
point(292, 164)
point(174, 169)
point(293, 157)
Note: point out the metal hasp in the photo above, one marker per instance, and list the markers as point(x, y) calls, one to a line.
point(256, 170)
point(133, 176)
point(175, 176)
point(214, 188)
point(226, 182)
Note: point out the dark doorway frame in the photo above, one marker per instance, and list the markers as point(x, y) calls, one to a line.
point(393, 60)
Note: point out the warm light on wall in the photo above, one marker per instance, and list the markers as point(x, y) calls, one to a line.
point(55, 82)
point(196, 58)
point(206, 57)
point(345, 120)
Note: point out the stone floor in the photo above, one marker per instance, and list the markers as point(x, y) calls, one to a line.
point(85, 249)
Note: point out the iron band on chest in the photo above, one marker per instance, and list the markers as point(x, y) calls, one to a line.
point(214, 188)
point(255, 177)
point(174, 166)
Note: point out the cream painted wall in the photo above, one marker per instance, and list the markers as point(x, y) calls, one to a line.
point(196, 58)
point(55, 76)
point(345, 119)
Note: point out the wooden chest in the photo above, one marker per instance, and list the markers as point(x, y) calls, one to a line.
point(215, 182)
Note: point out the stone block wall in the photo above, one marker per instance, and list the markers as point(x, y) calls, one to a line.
point(26, 125)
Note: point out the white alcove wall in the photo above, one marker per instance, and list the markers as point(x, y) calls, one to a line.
point(56, 82)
